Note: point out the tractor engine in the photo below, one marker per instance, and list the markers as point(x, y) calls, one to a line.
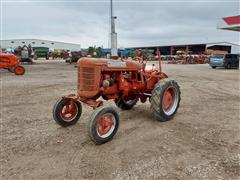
point(108, 78)
point(124, 84)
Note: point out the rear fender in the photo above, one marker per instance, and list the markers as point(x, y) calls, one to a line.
point(153, 78)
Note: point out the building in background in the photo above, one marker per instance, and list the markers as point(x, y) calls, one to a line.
point(226, 23)
point(195, 48)
point(13, 43)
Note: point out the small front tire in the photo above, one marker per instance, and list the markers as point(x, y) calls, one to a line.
point(103, 125)
point(67, 112)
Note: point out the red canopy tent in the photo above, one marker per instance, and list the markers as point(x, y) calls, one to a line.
point(230, 23)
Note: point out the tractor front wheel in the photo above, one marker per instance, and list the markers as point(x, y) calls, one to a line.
point(165, 100)
point(125, 105)
point(67, 112)
point(103, 124)
point(19, 70)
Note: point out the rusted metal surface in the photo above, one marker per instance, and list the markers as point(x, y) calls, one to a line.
point(112, 79)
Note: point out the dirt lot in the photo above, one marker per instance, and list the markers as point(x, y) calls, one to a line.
point(201, 142)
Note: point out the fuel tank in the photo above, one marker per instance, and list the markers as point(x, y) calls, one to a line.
point(89, 73)
point(110, 64)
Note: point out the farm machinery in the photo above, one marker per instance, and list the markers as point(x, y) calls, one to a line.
point(189, 59)
point(124, 81)
point(57, 53)
point(41, 52)
point(74, 57)
point(24, 54)
point(11, 63)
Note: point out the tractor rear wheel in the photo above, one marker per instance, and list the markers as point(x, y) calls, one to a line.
point(67, 112)
point(125, 105)
point(103, 124)
point(19, 70)
point(165, 100)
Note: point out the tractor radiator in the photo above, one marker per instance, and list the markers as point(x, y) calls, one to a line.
point(86, 77)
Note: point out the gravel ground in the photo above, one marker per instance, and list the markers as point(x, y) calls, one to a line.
point(201, 142)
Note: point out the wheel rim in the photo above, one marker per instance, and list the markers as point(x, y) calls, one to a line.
point(69, 112)
point(106, 125)
point(170, 100)
point(19, 70)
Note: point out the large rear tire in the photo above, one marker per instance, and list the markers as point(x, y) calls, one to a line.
point(103, 125)
point(66, 114)
point(165, 100)
point(125, 105)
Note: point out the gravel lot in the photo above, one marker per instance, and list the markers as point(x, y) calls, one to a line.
point(201, 142)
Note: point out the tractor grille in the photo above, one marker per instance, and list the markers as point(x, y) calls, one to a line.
point(86, 77)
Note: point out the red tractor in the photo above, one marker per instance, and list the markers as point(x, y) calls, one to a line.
point(125, 82)
point(11, 63)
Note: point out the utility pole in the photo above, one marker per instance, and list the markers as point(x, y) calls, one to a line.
point(113, 33)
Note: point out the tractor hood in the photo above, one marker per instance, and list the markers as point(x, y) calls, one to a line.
point(110, 64)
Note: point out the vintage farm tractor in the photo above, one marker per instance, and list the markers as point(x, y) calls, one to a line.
point(11, 63)
point(126, 82)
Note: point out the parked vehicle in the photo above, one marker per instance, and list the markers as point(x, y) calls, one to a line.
point(25, 55)
point(58, 53)
point(11, 63)
point(224, 60)
point(41, 52)
point(66, 54)
point(74, 56)
point(51, 54)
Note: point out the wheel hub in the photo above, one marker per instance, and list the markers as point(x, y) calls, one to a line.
point(105, 123)
point(19, 70)
point(168, 99)
point(69, 112)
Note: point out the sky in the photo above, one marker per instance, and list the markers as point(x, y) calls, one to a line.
point(139, 22)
